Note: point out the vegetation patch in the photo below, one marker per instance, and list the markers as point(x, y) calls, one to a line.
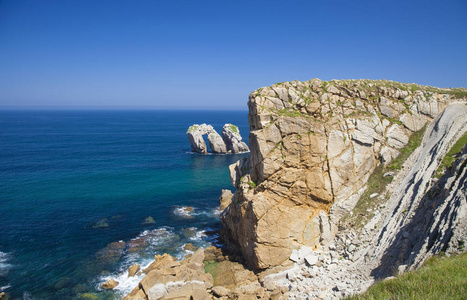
point(233, 128)
point(212, 267)
point(439, 278)
point(451, 155)
point(367, 205)
point(364, 210)
point(290, 113)
point(192, 128)
point(414, 141)
point(252, 183)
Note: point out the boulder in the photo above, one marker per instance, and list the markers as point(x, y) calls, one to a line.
point(168, 278)
point(189, 247)
point(133, 270)
point(136, 294)
point(220, 291)
point(110, 284)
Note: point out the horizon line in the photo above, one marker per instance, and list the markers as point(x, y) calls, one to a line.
point(105, 108)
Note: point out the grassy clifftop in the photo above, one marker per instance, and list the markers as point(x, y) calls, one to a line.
point(438, 278)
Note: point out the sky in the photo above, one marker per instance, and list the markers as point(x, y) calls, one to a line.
point(176, 54)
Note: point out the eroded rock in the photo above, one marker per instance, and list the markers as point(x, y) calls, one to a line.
point(233, 139)
point(313, 146)
point(230, 142)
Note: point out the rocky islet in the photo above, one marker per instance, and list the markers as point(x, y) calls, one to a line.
point(230, 142)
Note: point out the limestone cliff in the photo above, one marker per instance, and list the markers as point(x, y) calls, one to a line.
point(314, 145)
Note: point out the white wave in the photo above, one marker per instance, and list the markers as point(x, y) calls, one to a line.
point(2, 288)
point(4, 256)
point(184, 211)
point(156, 239)
point(153, 239)
point(125, 283)
point(4, 266)
point(198, 236)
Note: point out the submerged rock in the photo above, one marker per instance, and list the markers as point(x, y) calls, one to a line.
point(103, 223)
point(149, 220)
point(184, 211)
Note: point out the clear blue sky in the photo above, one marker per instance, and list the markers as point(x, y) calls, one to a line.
point(212, 54)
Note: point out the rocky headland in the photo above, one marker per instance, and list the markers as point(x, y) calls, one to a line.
point(230, 142)
point(342, 187)
point(314, 145)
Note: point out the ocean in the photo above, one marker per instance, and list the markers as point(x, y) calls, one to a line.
point(86, 194)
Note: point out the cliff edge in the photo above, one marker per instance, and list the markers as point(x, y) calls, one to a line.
point(314, 144)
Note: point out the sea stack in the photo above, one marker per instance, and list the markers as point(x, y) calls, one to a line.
point(230, 142)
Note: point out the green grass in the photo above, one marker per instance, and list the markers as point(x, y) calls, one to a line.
point(233, 128)
point(438, 278)
point(290, 113)
point(192, 128)
point(252, 184)
point(211, 267)
point(414, 141)
point(451, 155)
point(377, 184)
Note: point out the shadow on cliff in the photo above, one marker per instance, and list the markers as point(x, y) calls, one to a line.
point(431, 229)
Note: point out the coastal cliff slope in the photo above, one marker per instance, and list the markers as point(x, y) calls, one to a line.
point(314, 144)
point(423, 218)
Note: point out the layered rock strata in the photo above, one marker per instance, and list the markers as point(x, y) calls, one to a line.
point(230, 142)
point(314, 145)
point(421, 217)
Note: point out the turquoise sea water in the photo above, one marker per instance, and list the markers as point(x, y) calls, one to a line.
point(73, 183)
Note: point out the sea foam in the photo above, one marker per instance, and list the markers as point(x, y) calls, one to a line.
point(4, 265)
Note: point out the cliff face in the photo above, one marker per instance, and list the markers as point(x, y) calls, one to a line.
point(313, 146)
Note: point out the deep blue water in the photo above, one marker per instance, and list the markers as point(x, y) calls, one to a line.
point(73, 182)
